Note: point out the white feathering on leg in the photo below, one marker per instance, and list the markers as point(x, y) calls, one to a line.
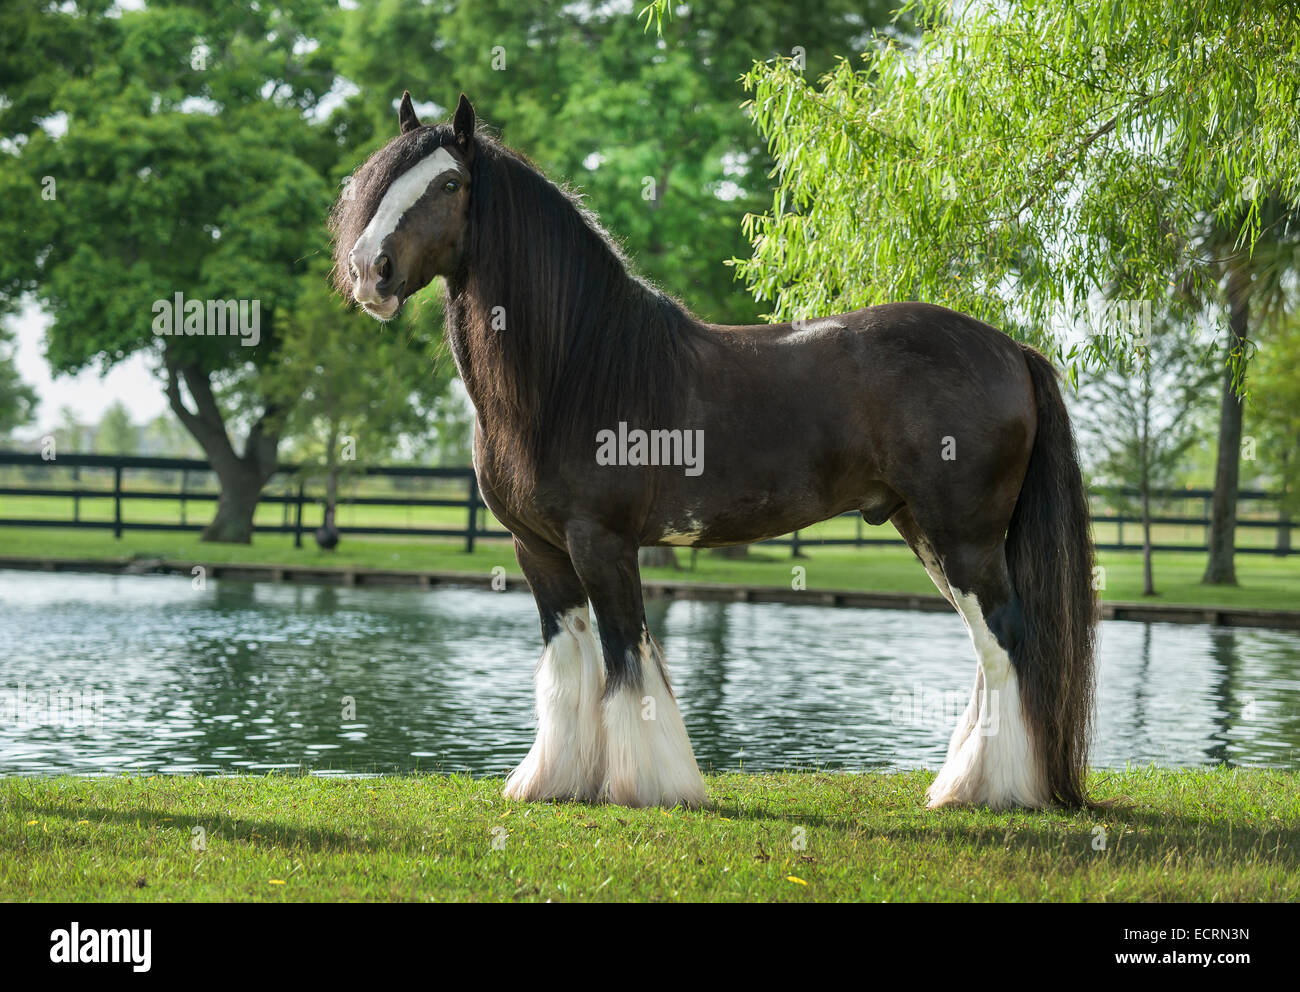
point(992, 758)
point(649, 761)
point(567, 760)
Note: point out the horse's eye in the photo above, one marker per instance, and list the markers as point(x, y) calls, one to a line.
point(451, 186)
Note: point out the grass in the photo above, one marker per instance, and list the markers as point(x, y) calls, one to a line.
point(1198, 836)
point(1265, 582)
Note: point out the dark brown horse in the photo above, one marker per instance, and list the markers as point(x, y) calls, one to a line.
point(609, 418)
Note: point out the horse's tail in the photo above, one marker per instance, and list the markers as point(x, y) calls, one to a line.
point(1049, 556)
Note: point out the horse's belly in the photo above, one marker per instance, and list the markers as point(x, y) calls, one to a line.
point(740, 525)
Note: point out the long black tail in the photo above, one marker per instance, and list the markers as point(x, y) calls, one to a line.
point(1049, 556)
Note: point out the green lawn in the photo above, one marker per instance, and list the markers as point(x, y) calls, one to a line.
point(1266, 582)
point(1198, 836)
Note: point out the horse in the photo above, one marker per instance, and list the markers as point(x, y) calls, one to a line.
point(595, 394)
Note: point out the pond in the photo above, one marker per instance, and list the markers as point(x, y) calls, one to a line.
point(145, 674)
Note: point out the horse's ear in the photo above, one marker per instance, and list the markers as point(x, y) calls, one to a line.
point(464, 124)
point(406, 113)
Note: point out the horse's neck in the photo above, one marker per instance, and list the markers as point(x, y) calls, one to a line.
point(478, 356)
point(510, 408)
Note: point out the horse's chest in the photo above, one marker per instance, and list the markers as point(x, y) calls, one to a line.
point(516, 501)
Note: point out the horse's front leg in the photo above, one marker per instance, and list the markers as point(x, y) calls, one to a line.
point(567, 760)
point(648, 756)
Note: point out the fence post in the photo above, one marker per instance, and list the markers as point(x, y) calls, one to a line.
point(76, 500)
point(297, 526)
point(794, 545)
point(117, 501)
point(471, 503)
point(185, 479)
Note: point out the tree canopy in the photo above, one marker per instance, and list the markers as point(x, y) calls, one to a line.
point(1015, 160)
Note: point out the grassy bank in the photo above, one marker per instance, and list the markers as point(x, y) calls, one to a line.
point(1200, 836)
point(1265, 582)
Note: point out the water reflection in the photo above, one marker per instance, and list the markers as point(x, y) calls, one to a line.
point(255, 677)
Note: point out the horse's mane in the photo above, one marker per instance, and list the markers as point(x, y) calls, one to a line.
point(585, 343)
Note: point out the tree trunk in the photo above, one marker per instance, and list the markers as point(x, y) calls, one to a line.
point(659, 557)
point(241, 477)
point(1148, 580)
point(1220, 569)
point(233, 524)
point(731, 551)
point(1283, 547)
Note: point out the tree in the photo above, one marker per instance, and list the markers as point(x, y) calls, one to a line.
point(17, 398)
point(1258, 293)
point(1013, 159)
point(351, 395)
point(181, 163)
point(1275, 412)
point(72, 436)
point(452, 441)
point(1139, 420)
point(116, 434)
point(657, 557)
point(163, 436)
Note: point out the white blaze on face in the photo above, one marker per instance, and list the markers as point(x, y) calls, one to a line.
point(402, 195)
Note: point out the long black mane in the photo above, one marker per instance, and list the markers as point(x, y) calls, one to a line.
point(586, 343)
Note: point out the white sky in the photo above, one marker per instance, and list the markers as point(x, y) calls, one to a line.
point(89, 394)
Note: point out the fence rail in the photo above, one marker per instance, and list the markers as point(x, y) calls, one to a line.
point(289, 489)
point(291, 493)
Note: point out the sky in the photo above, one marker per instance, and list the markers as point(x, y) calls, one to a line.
point(89, 394)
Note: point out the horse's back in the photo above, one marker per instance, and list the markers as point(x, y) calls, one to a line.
point(900, 356)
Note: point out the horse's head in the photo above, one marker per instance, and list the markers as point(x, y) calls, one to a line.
point(401, 220)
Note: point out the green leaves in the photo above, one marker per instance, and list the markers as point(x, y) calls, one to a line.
point(1016, 159)
point(177, 172)
point(343, 375)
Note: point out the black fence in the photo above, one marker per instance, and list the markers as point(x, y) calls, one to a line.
point(298, 491)
point(294, 489)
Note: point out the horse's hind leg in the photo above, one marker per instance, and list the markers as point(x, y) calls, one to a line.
point(648, 756)
point(916, 540)
point(992, 759)
point(567, 759)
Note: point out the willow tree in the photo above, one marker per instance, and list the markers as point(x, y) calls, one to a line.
point(1017, 160)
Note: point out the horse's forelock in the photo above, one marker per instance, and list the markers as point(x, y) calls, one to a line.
point(360, 198)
